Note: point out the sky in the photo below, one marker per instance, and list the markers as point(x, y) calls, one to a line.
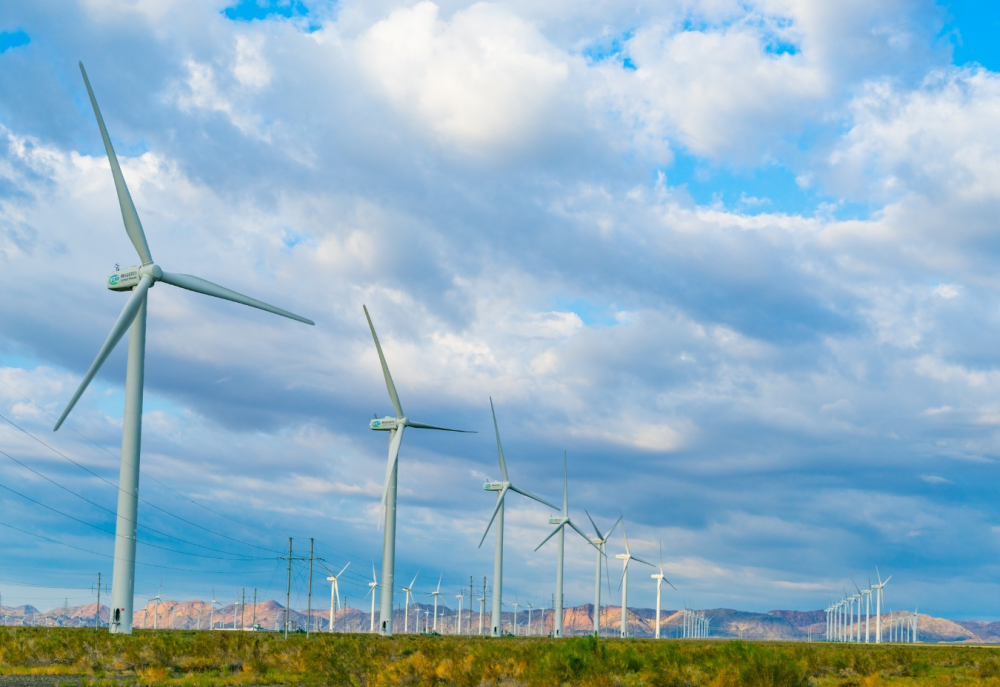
point(736, 259)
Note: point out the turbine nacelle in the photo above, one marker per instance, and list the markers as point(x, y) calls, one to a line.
point(559, 521)
point(128, 278)
point(495, 486)
point(387, 424)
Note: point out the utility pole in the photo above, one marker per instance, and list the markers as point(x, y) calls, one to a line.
point(97, 613)
point(309, 602)
point(288, 586)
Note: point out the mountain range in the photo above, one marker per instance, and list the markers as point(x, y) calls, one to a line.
point(577, 620)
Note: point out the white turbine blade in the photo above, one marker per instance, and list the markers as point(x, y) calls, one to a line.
point(565, 511)
point(887, 580)
point(503, 465)
point(439, 583)
point(554, 532)
point(421, 425)
point(503, 494)
point(374, 576)
point(123, 322)
point(385, 368)
point(395, 438)
point(642, 561)
point(414, 580)
point(624, 570)
point(594, 524)
point(199, 285)
point(621, 518)
point(129, 215)
point(580, 532)
point(525, 492)
point(625, 536)
point(343, 569)
point(322, 565)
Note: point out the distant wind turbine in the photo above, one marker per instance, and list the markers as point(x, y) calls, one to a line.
point(501, 487)
point(602, 553)
point(138, 280)
point(334, 591)
point(660, 579)
point(436, 593)
point(625, 558)
point(407, 599)
point(561, 522)
point(387, 509)
point(879, 601)
point(373, 585)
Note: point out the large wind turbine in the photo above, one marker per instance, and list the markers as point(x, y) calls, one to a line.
point(395, 427)
point(560, 523)
point(625, 558)
point(660, 579)
point(334, 590)
point(502, 487)
point(601, 542)
point(877, 588)
point(138, 280)
point(436, 593)
point(373, 586)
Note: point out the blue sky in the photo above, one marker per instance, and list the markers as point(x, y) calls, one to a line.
point(736, 258)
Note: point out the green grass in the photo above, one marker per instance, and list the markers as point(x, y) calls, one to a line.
point(225, 658)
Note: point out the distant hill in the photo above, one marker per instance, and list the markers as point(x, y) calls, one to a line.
point(577, 620)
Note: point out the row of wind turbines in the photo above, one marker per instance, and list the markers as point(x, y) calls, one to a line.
point(138, 281)
point(840, 616)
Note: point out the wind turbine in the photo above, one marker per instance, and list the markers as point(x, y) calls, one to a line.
point(601, 542)
point(373, 585)
point(625, 558)
point(156, 607)
point(866, 595)
point(334, 590)
point(395, 427)
point(436, 593)
point(877, 588)
point(214, 604)
point(502, 487)
point(530, 608)
point(407, 599)
point(561, 522)
point(138, 280)
point(660, 579)
point(458, 622)
point(515, 605)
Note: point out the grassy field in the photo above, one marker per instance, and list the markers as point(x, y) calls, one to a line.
point(226, 658)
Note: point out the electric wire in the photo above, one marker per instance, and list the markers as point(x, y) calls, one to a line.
point(117, 488)
point(108, 510)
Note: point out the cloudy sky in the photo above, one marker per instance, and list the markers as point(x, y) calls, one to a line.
point(737, 258)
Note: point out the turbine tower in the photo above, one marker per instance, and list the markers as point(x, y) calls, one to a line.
point(660, 579)
point(502, 487)
point(138, 280)
point(156, 607)
point(602, 552)
point(561, 522)
point(334, 590)
point(625, 558)
point(408, 591)
point(395, 427)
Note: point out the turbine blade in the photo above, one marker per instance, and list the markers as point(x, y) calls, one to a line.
point(199, 285)
point(593, 523)
point(554, 532)
point(421, 425)
point(525, 492)
point(642, 561)
point(129, 215)
point(565, 488)
point(323, 565)
point(439, 583)
point(580, 532)
point(503, 494)
point(343, 569)
point(395, 438)
point(503, 465)
point(621, 518)
point(668, 582)
point(123, 322)
point(625, 535)
point(385, 368)
point(414, 580)
point(374, 577)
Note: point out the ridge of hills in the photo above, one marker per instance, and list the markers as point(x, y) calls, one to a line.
point(577, 620)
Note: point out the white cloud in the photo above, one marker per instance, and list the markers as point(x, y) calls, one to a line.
point(480, 80)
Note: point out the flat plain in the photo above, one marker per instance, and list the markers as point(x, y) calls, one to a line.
point(81, 656)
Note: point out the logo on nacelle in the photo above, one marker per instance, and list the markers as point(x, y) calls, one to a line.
point(376, 424)
point(113, 280)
